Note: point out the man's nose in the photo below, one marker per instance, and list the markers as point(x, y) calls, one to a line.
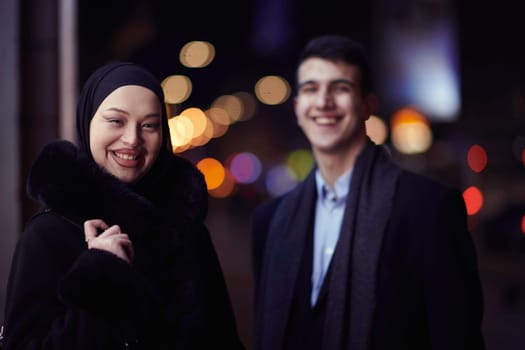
point(324, 99)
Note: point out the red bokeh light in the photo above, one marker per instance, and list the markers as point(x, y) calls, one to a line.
point(473, 200)
point(477, 158)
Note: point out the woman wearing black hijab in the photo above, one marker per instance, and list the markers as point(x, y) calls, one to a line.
point(119, 257)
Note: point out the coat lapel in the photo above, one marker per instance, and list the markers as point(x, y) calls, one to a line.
point(283, 253)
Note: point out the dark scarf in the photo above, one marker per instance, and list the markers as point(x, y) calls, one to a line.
point(68, 181)
point(352, 280)
point(71, 184)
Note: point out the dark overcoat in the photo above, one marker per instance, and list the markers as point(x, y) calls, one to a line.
point(62, 295)
point(404, 273)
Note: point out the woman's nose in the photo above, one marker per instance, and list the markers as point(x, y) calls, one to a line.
point(131, 135)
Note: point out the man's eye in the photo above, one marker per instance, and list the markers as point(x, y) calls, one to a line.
point(342, 88)
point(308, 89)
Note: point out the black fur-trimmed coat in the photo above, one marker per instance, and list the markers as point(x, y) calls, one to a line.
point(62, 295)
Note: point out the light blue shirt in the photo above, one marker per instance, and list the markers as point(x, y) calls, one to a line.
point(329, 211)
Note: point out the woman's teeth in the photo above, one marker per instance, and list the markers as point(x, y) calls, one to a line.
point(126, 156)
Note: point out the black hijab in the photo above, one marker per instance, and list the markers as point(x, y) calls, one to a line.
point(104, 81)
point(168, 170)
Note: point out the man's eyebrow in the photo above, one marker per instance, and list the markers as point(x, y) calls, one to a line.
point(343, 81)
point(336, 81)
point(306, 82)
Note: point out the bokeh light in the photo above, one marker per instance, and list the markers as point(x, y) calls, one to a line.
point(300, 162)
point(425, 58)
point(198, 120)
point(177, 88)
point(181, 129)
point(219, 119)
point(272, 90)
point(213, 172)
point(226, 188)
point(473, 200)
point(279, 180)
point(411, 133)
point(232, 105)
point(477, 158)
point(206, 135)
point(523, 224)
point(249, 103)
point(376, 129)
point(197, 54)
point(245, 167)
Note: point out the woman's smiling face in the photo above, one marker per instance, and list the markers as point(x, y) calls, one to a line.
point(125, 134)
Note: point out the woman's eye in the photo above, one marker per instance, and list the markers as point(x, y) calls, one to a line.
point(151, 126)
point(115, 121)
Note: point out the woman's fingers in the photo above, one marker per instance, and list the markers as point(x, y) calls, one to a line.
point(127, 246)
point(108, 231)
point(111, 239)
point(91, 228)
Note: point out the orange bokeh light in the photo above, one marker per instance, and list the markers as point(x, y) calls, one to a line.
point(213, 172)
point(408, 115)
point(226, 188)
point(410, 131)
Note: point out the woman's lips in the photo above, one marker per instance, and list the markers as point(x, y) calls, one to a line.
point(127, 159)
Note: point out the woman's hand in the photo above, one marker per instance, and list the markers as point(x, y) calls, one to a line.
point(112, 239)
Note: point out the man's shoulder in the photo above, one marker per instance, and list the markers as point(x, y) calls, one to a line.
point(266, 209)
point(304, 188)
point(425, 185)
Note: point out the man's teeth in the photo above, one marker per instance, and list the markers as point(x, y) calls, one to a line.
point(325, 120)
point(126, 156)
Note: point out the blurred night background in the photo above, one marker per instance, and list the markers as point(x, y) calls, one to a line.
point(450, 76)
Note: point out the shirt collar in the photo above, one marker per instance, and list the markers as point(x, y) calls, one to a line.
point(341, 186)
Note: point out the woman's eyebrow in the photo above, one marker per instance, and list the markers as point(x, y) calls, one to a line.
point(115, 109)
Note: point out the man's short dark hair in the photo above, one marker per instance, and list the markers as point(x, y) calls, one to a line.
point(340, 48)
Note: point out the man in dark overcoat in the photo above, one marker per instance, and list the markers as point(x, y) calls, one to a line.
point(362, 254)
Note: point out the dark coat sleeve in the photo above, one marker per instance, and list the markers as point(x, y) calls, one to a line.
point(59, 295)
point(429, 293)
point(453, 295)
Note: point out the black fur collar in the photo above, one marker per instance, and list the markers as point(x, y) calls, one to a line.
point(70, 183)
